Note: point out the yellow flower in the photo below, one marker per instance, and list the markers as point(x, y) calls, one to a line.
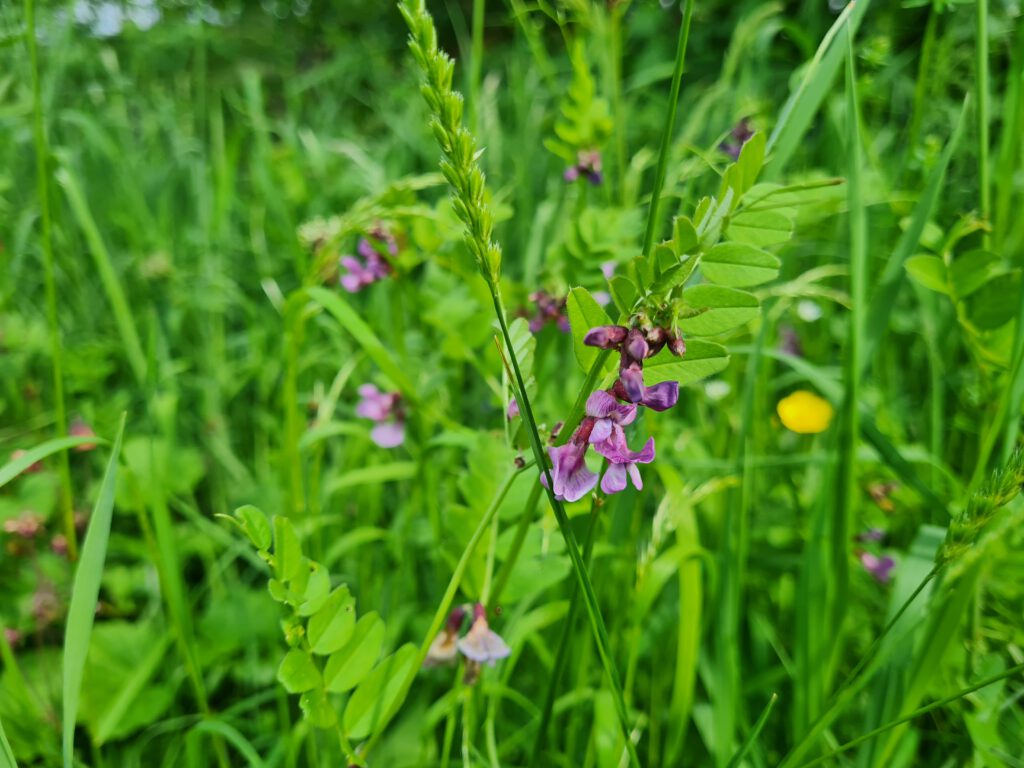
point(804, 412)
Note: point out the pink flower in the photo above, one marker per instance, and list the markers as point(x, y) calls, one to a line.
point(879, 567)
point(27, 525)
point(360, 274)
point(513, 409)
point(443, 649)
point(80, 428)
point(481, 644)
point(571, 480)
point(384, 408)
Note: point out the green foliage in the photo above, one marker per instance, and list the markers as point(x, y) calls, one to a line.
point(322, 622)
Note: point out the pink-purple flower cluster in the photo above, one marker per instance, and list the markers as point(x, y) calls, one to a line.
point(479, 645)
point(588, 166)
point(738, 136)
point(608, 412)
point(550, 309)
point(375, 265)
point(385, 408)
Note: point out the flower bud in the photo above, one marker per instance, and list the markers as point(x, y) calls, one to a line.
point(636, 345)
point(605, 336)
point(677, 346)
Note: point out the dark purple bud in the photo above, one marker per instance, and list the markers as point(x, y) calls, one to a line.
point(605, 336)
point(677, 346)
point(656, 338)
point(636, 345)
point(455, 619)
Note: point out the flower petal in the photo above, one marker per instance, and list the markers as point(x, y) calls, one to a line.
point(602, 431)
point(388, 435)
point(661, 396)
point(614, 479)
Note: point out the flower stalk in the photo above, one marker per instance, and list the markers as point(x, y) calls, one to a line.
point(461, 168)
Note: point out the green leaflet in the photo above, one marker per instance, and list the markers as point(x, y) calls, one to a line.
point(702, 359)
point(739, 265)
point(713, 309)
point(584, 313)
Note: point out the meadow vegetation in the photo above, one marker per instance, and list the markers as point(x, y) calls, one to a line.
point(525, 383)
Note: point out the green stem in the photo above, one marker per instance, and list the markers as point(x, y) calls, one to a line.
point(43, 191)
point(917, 713)
point(669, 130)
point(854, 681)
point(597, 624)
point(981, 66)
point(476, 65)
point(563, 643)
point(517, 544)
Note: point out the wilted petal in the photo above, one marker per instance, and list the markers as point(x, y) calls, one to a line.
point(389, 435)
point(442, 650)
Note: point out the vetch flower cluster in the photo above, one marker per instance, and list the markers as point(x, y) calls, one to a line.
point(375, 266)
point(738, 136)
point(588, 166)
point(550, 309)
point(609, 411)
point(480, 645)
point(385, 408)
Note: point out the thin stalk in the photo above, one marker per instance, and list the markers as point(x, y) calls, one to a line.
point(476, 66)
point(917, 713)
point(597, 624)
point(563, 644)
point(517, 544)
point(981, 72)
point(43, 191)
point(853, 681)
point(618, 105)
point(669, 130)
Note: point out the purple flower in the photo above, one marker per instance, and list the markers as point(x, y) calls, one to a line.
point(375, 268)
point(481, 644)
point(879, 567)
point(738, 136)
point(550, 309)
point(606, 336)
point(588, 165)
point(635, 346)
point(660, 397)
point(443, 649)
point(513, 409)
point(602, 297)
point(608, 414)
point(608, 269)
point(384, 408)
point(570, 478)
point(623, 461)
point(871, 534)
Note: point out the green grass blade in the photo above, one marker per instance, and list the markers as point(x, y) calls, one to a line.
point(221, 730)
point(6, 753)
point(364, 336)
point(15, 467)
point(84, 592)
point(754, 732)
point(884, 296)
point(107, 274)
point(803, 103)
